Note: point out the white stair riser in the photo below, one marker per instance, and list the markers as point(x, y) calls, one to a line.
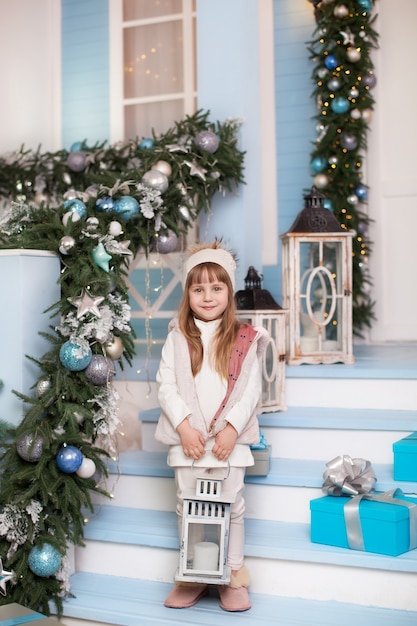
point(352, 393)
point(388, 589)
point(324, 445)
point(270, 502)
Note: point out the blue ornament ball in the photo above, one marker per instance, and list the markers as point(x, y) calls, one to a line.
point(318, 164)
point(126, 207)
point(340, 105)
point(74, 357)
point(146, 143)
point(104, 204)
point(327, 204)
point(76, 146)
point(69, 459)
point(74, 205)
point(44, 561)
point(77, 161)
point(207, 140)
point(330, 62)
point(366, 5)
point(361, 192)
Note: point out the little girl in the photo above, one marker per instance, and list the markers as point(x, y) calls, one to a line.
point(209, 385)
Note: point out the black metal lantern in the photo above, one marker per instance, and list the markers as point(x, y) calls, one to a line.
point(256, 306)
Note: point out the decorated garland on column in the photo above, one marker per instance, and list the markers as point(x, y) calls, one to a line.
point(94, 208)
point(344, 77)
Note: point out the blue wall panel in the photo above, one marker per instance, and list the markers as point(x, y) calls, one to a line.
point(85, 71)
point(295, 130)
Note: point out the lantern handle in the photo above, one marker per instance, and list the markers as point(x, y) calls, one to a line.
point(209, 472)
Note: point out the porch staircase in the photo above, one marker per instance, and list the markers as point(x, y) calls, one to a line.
point(125, 570)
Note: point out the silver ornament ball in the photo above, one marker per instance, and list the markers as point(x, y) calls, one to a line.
point(155, 180)
point(164, 244)
point(66, 244)
point(30, 448)
point(162, 166)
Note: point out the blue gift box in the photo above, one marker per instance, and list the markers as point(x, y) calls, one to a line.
point(405, 458)
point(385, 527)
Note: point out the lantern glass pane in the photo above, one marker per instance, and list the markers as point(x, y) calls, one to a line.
point(321, 294)
point(203, 547)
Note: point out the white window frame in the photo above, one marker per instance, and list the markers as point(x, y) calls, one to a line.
point(117, 101)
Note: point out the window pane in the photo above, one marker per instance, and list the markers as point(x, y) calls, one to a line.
point(153, 57)
point(141, 9)
point(140, 119)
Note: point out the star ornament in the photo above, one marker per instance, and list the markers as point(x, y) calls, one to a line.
point(101, 258)
point(196, 170)
point(5, 577)
point(86, 303)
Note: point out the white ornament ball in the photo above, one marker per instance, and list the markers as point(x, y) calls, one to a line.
point(353, 54)
point(162, 166)
point(352, 199)
point(321, 181)
point(355, 114)
point(115, 228)
point(341, 11)
point(70, 215)
point(86, 469)
point(155, 180)
point(367, 115)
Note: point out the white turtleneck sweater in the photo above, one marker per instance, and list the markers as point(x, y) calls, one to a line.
point(211, 390)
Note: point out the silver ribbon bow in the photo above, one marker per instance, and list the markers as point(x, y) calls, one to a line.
point(353, 522)
point(347, 476)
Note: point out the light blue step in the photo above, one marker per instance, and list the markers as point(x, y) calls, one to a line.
point(284, 472)
point(264, 539)
point(128, 602)
point(325, 418)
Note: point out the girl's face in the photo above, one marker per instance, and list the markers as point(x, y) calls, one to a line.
point(208, 300)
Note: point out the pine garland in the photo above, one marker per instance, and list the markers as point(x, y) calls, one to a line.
point(95, 219)
point(343, 75)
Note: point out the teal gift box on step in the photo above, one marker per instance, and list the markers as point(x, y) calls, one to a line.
point(384, 528)
point(405, 458)
point(14, 614)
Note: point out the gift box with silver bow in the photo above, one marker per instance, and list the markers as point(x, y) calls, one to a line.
point(356, 517)
point(405, 458)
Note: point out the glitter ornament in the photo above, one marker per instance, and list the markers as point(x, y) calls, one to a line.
point(75, 357)
point(155, 180)
point(69, 459)
point(207, 140)
point(126, 207)
point(104, 204)
point(114, 348)
point(30, 448)
point(87, 468)
point(162, 166)
point(45, 560)
point(76, 161)
point(74, 205)
point(42, 386)
point(164, 244)
point(66, 244)
point(100, 370)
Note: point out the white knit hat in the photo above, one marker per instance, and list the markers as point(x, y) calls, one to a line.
point(211, 255)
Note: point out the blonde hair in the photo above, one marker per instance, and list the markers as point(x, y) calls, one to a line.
point(225, 336)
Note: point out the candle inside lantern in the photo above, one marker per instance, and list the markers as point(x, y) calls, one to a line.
point(309, 344)
point(206, 556)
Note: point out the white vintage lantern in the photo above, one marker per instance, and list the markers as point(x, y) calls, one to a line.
point(256, 306)
point(205, 533)
point(317, 286)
